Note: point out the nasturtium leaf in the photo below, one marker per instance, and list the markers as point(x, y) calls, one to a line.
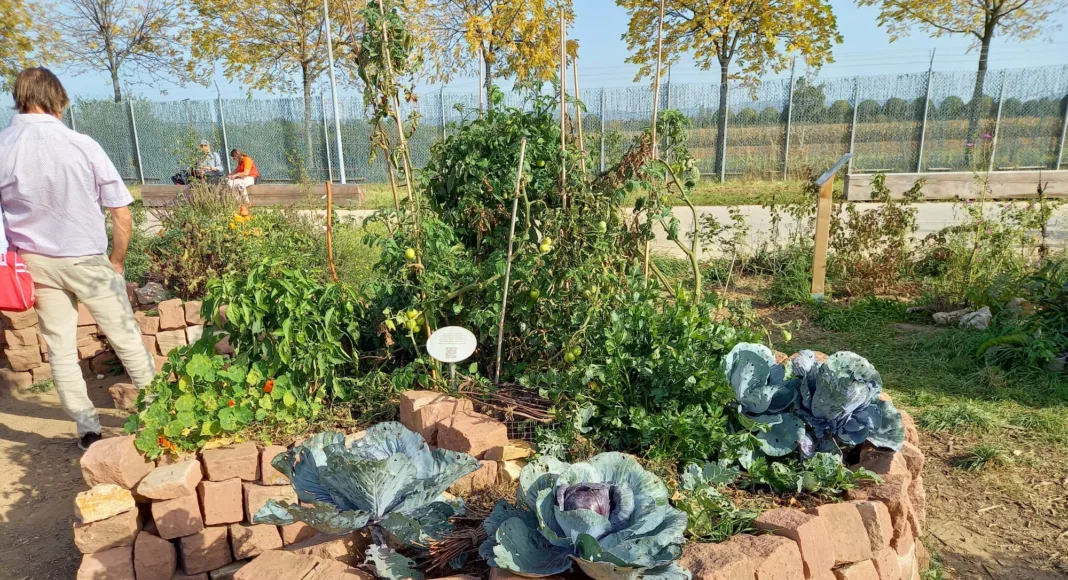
point(289, 399)
point(187, 418)
point(227, 420)
point(173, 429)
point(186, 402)
point(211, 428)
point(254, 377)
point(200, 366)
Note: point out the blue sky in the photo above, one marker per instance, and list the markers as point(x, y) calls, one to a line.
point(865, 49)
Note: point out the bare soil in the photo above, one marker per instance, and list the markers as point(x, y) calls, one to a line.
point(39, 477)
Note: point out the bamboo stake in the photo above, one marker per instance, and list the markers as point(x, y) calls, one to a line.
point(656, 103)
point(578, 118)
point(330, 230)
point(563, 108)
point(508, 266)
point(481, 81)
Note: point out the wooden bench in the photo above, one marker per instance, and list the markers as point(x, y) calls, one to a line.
point(270, 194)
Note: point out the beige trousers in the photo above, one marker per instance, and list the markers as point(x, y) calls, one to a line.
point(60, 283)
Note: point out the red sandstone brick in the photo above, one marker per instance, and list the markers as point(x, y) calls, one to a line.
point(268, 474)
point(257, 495)
point(877, 522)
point(113, 564)
point(725, 561)
point(221, 501)
point(249, 541)
point(886, 565)
point(24, 359)
point(277, 565)
point(123, 396)
point(912, 434)
point(168, 340)
point(206, 550)
point(774, 557)
point(296, 533)
point(115, 460)
point(894, 492)
point(918, 499)
point(484, 476)
point(154, 557)
point(883, 461)
point(349, 548)
point(242, 460)
point(177, 517)
point(472, 433)
point(18, 320)
point(423, 411)
point(149, 324)
point(847, 532)
point(171, 314)
point(171, 481)
point(807, 530)
point(913, 458)
point(192, 313)
point(114, 532)
point(150, 344)
point(864, 570)
point(331, 570)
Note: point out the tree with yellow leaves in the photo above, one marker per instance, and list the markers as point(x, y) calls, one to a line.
point(16, 39)
point(979, 20)
point(517, 38)
point(744, 39)
point(134, 41)
point(269, 45)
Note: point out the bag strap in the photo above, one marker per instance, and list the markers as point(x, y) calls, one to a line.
point(3, 234)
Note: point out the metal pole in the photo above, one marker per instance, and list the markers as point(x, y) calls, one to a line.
point(326, 139)
point(602, 131)
point(853, 125)
point(926, 108)
point(441, 99)
point(137, 144)
point(997, 123)
point(333, 91)
point(789, 121)
point(226, 143)
point(74, 125)
point(723, 146)
point(1060, 146)
point(667, 90)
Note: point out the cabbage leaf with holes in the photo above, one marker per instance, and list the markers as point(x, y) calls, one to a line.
point(606, 515)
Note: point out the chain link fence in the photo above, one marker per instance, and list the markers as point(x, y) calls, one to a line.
point(782, 128)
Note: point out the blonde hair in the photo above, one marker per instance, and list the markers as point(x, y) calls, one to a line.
point(38, 88)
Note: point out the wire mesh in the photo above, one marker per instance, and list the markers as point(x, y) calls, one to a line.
point(291, 140)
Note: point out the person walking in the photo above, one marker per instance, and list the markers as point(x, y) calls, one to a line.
point(54, 185)
point(245, 174)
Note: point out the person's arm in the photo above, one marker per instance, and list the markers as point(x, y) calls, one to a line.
point(121, 230)
point(243, 169)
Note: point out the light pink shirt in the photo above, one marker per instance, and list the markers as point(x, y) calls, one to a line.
point(53, 184)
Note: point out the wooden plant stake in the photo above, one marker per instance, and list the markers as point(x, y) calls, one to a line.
point(656, 105)
point(823, 227)
point(508, 266)
point(330, 230)
point(563, 108)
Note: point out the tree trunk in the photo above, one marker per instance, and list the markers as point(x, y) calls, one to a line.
point(115, 85)
point(307, 80)
point(975, 107)
point(721, 117)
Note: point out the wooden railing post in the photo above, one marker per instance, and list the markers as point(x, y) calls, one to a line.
point(823, 227)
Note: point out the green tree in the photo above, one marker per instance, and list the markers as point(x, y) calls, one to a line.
point(840, 111)
point(22, 41)
point(753, 36)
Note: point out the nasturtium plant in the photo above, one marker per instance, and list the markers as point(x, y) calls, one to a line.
point(607, 515)
point(388, 480)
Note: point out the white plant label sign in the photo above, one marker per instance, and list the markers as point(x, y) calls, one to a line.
point(451, 344)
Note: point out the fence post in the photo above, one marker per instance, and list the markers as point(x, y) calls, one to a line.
point(441, 100)
point(926, 108)
point(723, 147)
point(602, 131)
point(74, 125)
point(853, 125)
point(226, 142)
point(997, 124)
point(1060, 146)
point(789, 122)
point(326, 140)
point(667, 90)
point(136, 143)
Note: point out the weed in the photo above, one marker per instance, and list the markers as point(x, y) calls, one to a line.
point(981, 457)
point(1045, 421)
point(791, 278)
point(44, 386)
point(868, 313)
point(992, 378)
point(957, 418)
point(934, 569)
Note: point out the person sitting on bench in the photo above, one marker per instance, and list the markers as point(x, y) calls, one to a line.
point(210, 165)
point(245, 174)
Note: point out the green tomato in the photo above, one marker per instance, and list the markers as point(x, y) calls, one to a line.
point(409, 324)
point(547, 240)
point(577, 351)
point(545, 248)
point(569, 358)
point(541, 163)
point(535, 294)
point(412, 314)
point(410, 254)
point(602, 226)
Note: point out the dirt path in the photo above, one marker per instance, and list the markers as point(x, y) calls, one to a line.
point(39, 477)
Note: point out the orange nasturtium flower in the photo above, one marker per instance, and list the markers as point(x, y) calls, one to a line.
point(268, 386)
point(230, 403)
point(164, 443)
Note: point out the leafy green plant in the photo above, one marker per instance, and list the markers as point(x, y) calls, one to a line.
point(711, 516)
point(608, 515)
point(812, 407)
point(388, 481)
point(212, 396)
point(822, 474)
point(956, 418)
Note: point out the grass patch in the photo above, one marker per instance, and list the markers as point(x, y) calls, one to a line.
point(956, 418)
point(980, 457)
point(1049, 422)
point(866, 314)
point(45, 386)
